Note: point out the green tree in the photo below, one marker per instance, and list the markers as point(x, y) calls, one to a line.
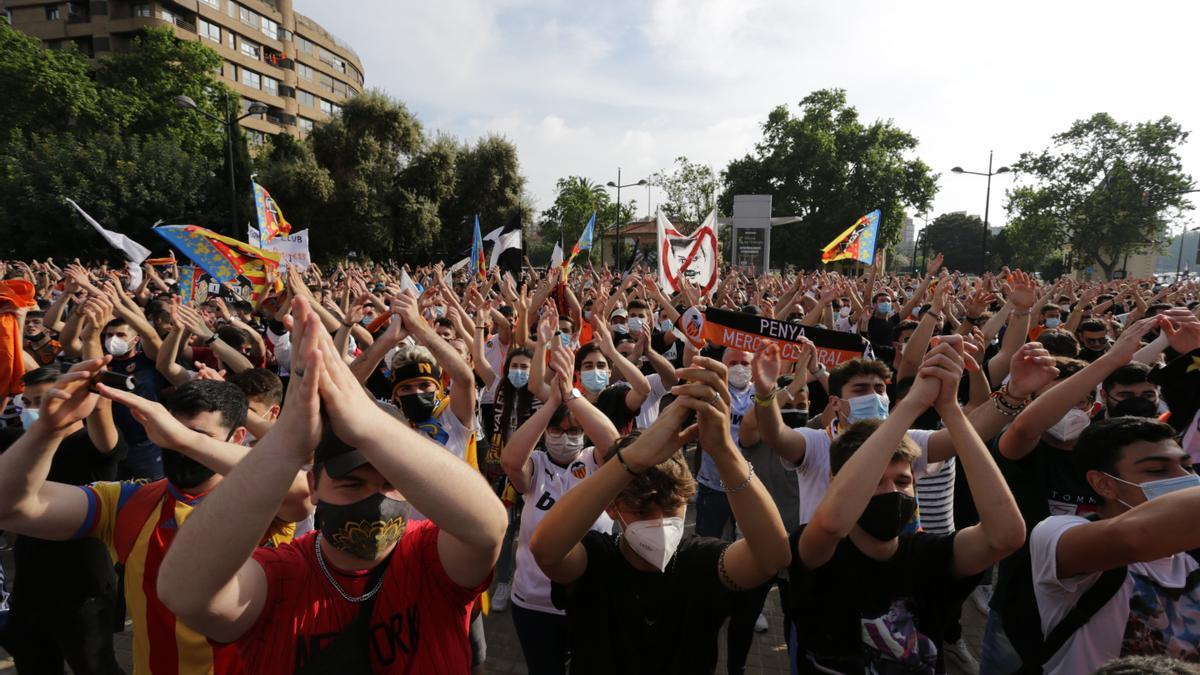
point(691, 191)
point(575, 199)
point(959, 237)
point(1084, 193)
point(487, 181)
point(829, 168)
point(109, 137)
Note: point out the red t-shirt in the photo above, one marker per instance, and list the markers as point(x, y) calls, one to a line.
point(418, 624)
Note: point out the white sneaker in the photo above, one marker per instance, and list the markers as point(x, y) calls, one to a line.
point(500, 598)
point(760, 624)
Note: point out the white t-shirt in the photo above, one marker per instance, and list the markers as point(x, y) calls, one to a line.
point(813, 472)
point(531, 587)
point(649, 411)
point(1144, 617)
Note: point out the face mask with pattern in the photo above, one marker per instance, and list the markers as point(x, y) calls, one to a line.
point(366, 529)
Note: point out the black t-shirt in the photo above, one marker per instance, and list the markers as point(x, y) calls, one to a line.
point(1044, 483)
point(622, 620)
point(79, 568)
point(611, 402)
point(148, 383)
point(902, 601)
point(879, 331)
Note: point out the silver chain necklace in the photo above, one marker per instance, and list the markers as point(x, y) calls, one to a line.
point(350, 598)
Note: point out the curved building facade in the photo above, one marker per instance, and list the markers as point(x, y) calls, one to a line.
point(272, 54)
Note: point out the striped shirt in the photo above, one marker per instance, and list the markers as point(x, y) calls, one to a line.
point(935, 496)
point(162, 645)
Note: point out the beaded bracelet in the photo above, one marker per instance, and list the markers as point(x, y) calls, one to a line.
point(741, 486)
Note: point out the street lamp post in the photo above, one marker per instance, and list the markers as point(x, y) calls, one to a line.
point(617, 218)
point(987, 201)
point(228, 123)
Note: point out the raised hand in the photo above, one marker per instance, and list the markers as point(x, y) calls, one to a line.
point(1182, 329)
point(765, 368)
point(934, 265)
point(1130, 340)
point(71, 398)
point(1031, 368)
point(1022, 290)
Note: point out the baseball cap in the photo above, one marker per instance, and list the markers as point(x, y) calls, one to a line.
point(621, 312)
point(336, 457)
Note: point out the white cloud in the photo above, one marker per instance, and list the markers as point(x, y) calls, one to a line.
point(583, 88)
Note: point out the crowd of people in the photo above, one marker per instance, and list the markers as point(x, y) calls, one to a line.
point(345, 475)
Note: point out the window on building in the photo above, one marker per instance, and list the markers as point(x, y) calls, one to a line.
point(305, 72)
point(306, 98)
point(248, 17)
point(143, 9)
point(232, 8)
point(270, 85)
point(166, 15)
point(231, 70)
point(270, 28)
point(251, 79)
point(351, 91)
point(215, 4)
point(52, 13)
point(339, 87)
point(255, 138)
point(326, 107)
point(209, 31)
point(325, 81)
point(306, 125)
point(303, 45)
point(249, 48)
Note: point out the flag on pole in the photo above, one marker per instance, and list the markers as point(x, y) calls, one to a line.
point(134, 251)
point(478, 261)
point(857, 243)
point(693, 256)
point(224, 258)
point(507, 249)
point(584, 244)
point(556, 256)
point(271, 222)
point(407, 284)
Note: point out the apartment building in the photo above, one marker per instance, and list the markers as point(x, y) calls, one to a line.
point(272, 54)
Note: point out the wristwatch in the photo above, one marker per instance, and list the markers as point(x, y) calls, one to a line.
point(575, 393)
point(212, 339)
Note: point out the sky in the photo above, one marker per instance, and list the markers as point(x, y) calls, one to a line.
point(585, 88)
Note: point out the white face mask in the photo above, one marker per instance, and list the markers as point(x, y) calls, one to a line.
point(654, 540)
point(635, 324)
point(564, 447)
point(739, 377)
point(844, 312)
point(1070, 426)
point(117, 346)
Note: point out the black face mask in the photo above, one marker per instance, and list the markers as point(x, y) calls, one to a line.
point(1134, 407)
point(183, 471)
point(794, 418)
point(418, 407)
point(887, 514)
point(365, 529)
point(1090, 355)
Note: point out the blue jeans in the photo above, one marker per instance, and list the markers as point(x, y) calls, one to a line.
point(144, 460)
point(712, 512)
point(543, 638)
point(996, 654)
